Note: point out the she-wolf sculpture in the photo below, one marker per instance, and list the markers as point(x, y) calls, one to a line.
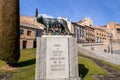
point(57, 26)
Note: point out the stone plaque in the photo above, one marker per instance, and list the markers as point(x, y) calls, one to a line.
point(57, 58)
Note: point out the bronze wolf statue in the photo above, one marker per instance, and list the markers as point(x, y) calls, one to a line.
point(53, 24)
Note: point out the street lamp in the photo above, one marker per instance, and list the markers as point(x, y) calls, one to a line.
point(110, 42)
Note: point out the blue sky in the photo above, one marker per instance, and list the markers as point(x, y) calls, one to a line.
point(100, 11)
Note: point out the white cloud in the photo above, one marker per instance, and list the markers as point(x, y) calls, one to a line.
point(46, 16)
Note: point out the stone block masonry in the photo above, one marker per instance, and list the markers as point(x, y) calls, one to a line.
point(56, 58)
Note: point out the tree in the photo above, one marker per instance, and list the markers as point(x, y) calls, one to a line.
point(9, 31)
point(36, 14)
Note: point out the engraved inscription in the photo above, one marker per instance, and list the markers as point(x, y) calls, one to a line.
point(57, 59)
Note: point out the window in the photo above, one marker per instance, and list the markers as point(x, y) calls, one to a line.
point(38, 33)
point(29, 33)
point(97, 33)
point(118, 30)
point(21, 32)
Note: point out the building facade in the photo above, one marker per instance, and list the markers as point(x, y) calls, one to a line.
point(89, 34)
point(29, 31)
point(84, 31)
point(87, 23)
point(100, 35)
point(114, 29)
point(28, 34)
point(79, 32)
point(118, 31)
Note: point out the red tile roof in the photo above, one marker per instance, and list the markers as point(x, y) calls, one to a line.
point(31, 21)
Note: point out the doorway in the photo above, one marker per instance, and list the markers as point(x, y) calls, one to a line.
point(34, 44)
point(24, 44)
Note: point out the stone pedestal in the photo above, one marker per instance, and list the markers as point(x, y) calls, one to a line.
point(56, 58)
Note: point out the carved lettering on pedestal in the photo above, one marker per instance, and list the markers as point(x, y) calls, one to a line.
point(57, 59)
